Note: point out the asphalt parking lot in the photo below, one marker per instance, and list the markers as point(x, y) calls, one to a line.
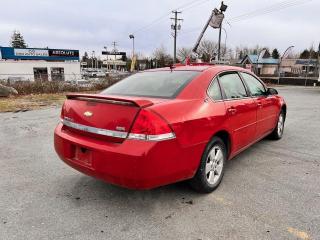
point(270, 191)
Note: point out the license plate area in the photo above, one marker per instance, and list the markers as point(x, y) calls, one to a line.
point(83, 156)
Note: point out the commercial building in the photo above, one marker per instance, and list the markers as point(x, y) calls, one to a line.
point(264, 65)
point(39, 64)
point(114, 60)
point(299, 67)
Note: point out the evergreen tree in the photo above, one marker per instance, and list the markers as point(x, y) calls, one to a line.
point(275, 54)
point(17, 40)
point(305, 54)
point(241, 55)
point(85, 57)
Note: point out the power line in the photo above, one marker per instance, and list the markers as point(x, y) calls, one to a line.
point(194, 5)
point(187, 5)
point(267, 10)
point(163, 17)
point(259, 12)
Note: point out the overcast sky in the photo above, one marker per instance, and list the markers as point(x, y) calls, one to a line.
point(91, 24)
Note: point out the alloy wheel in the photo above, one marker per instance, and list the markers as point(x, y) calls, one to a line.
point(214, 165)
point(280, 125)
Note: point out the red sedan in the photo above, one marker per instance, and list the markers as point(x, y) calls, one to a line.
point(167, 125)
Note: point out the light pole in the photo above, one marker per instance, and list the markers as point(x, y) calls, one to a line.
point(223, 8)
point(262, 52)
point(284, 55)
point(133, 60)
point(131, 36)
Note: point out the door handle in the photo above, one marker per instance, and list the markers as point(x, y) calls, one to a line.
point(232, 111)
point(259, 104)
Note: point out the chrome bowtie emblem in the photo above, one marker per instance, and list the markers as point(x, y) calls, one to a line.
point(88, 114)
point(119, 128)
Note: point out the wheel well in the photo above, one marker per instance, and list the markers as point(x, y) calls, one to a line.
point(284, 109)
point(225, 137)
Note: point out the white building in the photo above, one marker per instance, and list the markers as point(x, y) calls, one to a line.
point(36, 64)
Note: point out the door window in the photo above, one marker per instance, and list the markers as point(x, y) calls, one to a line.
point(214, 91)
point(232, 86)
point(255, 86)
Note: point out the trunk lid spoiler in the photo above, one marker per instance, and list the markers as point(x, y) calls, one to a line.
point(141, 103)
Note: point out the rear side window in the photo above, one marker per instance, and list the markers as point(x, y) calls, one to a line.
point(162, 84)
point(214, 91)
point(255, 86)
point(232, 86)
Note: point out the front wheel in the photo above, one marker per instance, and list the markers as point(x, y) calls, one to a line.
point(278, 130)
point(211, 169)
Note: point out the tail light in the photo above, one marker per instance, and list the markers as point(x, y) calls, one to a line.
point(151, 127)
point(62, 114)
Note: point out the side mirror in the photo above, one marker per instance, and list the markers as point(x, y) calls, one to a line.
point(272, 91)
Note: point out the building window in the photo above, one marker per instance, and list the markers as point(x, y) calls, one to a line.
point(57, 74)
point(40, 74)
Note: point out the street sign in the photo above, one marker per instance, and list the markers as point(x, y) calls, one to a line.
point(84, 63)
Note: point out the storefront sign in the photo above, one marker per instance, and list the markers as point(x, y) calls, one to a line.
point(31, 52)
point(39, 54)
point(64, 53)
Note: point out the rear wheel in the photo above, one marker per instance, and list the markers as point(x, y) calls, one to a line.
point(278, 130)
point(211, 169)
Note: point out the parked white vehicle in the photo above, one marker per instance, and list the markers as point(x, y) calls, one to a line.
point(94, 73)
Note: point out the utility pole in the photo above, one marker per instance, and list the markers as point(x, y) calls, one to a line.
point(175, 27)
point(92, 58)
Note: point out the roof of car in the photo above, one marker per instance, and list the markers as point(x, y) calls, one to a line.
point(197, 67)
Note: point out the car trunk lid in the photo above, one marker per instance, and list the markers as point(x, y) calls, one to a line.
point(106, 117)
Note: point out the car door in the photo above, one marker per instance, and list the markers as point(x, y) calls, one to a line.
point(241, 110)
point(266, 105)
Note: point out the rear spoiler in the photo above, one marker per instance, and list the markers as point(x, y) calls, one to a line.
point(114, 99)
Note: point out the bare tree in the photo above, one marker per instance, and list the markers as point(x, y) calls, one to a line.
point(162, 57)
point(207, 50)
point(183, 53)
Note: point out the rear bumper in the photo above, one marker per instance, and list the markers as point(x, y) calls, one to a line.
point(132, 164)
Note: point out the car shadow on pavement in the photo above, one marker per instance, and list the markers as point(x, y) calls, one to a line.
point(85, 190)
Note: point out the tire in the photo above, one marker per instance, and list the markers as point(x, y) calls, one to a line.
point(211, 169)
point(279, 128)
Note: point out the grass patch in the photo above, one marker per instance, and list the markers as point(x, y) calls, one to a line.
point(31, 102)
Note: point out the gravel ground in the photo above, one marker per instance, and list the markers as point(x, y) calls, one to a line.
point(270, 191)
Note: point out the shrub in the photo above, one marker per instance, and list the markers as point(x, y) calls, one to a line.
point(26, 87)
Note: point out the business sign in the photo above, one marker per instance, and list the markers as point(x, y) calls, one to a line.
point(63, 53)
point(30, 52)
point(39, 54)
point(114, 53)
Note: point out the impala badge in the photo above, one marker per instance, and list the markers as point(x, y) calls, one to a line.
point(88, 114)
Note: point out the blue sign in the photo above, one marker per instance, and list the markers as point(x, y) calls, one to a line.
point(39, 54)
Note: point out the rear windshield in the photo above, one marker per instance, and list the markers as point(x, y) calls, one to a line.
point(161, 84)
